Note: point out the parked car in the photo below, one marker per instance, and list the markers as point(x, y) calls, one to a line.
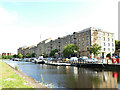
point(32, 59)
point(49, 59)
point(83, 59)
point(73, 59)
point(92, 60)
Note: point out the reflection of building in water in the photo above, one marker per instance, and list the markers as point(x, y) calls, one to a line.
point(107, 80)
point(75, 72)
point(58, 67)
point(67, 69)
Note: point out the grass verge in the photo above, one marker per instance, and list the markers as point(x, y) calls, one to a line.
point(9, 79)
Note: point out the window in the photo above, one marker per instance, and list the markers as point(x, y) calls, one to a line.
point(99, 38)
point(83, 33)
point(112, 44)
point(87, 54)
point(112, 39)
point(104, 44)
point(79, 49)
point(108, 44)
point(83, 49)
point(87, 37)
point(113, 49)
point(99, 33)
point(83, 44)
point(69, 42)
point(87, 49)
point(83, 54)
point(104, 49)
point(99, 44)
point(108, 39)
point(79, 44)
point(79, 34)
point(103, 38)
point(87, 32)
point(87, 43)
point(108, 49)
point(83, 38)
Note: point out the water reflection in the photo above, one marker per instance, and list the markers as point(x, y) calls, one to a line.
point(70, 77)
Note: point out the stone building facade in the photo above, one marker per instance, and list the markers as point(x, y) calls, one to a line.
point(84, 39)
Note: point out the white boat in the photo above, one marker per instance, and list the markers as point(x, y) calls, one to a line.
point(58, 64)
point(39, 61)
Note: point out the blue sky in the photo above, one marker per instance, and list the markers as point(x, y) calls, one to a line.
point(23, 22)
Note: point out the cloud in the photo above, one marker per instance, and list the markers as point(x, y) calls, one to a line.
point(6, 17)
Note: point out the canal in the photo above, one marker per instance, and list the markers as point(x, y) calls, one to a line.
point(69, 76)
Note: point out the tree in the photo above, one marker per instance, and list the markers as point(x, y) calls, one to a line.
point(44, 55)
point(33, 55)
point(95, 49)
point(20, 55)
point(28, 55)
point(52, 53)
point(108, 55)
point(0, 56)
point(15, 56)
point(117, 45)
point(70, 50)
point(7, 57)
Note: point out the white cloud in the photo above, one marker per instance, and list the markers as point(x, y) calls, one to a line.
point(7, 18)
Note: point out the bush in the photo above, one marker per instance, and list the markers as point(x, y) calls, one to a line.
point(108, 55)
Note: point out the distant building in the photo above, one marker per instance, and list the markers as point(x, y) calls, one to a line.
point(25, 50)
point(7, 54)
point(84, 39)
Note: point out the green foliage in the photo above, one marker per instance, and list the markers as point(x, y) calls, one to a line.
point(108, 55)
point(7, 57)
point(117, 44)
point(70, 50)
point(44, 55)
point(28, 55)
point(0, 56)
point(52, 53)
point(20, 55)
point(95, 49)
point(16, 67)
point(9, 73)
point(33, 55)
point(15, 56)
point(42, 79)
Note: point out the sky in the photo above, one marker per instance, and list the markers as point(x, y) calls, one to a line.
point(27, 22)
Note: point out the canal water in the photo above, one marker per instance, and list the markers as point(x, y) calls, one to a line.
point(69, 76)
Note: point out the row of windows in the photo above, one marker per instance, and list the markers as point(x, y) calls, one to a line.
point(84, 44)
point(108, 39)
point(108, 49)
point(108, 44)
point(83, 49)
point(78, 40)
point(108, 34)
point(82, 34)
